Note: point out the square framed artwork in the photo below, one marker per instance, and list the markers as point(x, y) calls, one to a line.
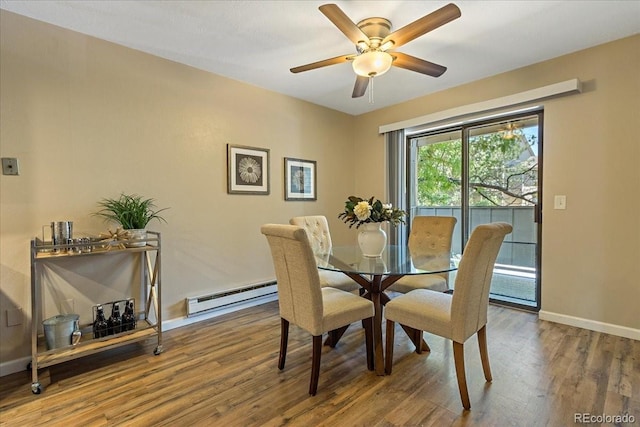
point(247, 170)
point(300, 179)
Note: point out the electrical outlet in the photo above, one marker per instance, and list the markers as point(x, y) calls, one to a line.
point(14, 316)
point(10, 166)
point(560, 202)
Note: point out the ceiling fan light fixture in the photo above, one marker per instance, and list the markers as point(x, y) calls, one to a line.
point(372, 63)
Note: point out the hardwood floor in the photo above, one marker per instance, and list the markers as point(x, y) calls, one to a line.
point(224, 372)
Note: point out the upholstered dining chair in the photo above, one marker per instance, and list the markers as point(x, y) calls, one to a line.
point(459, 315)
point(317, 229)
point(429, 239)
point(305, 303)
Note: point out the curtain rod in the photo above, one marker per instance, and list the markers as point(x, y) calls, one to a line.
point(567, 87)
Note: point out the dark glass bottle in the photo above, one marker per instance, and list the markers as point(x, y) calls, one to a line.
point(100, 327)
point(115, 321)
point(129, 317)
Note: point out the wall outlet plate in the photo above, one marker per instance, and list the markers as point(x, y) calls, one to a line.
point(14, 316)
point(560, 202)
point(10, 166)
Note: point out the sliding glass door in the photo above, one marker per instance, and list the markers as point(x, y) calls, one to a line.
point(486, 172)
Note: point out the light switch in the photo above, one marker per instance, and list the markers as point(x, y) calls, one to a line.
point(14, 316)
point(9, 166)
point(560, 202)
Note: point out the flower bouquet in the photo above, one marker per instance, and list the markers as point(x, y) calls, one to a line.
point(358, 211)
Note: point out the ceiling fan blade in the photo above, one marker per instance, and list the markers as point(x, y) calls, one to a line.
point(344, 24)
point(423, 25)
point(412, 63)
point(323, 63)
point(360, 87)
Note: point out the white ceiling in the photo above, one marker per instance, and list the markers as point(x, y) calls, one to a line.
point(258, 41)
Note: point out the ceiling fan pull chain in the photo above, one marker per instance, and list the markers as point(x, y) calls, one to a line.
point(371, 89)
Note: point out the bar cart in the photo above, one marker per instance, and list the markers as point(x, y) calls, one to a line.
point(146, 327)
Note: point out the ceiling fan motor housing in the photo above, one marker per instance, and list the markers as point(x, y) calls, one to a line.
point(376, 29)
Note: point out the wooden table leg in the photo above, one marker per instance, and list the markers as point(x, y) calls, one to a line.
point(417, 339)
point(377, 325)
point(375, 287)
point(334, 336)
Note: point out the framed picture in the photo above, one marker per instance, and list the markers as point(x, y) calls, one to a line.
point(247, 170)
point(300, 179)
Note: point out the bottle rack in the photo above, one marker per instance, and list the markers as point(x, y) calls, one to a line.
point(146, 327)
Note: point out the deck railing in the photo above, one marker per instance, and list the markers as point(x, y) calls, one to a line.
point(519, 247)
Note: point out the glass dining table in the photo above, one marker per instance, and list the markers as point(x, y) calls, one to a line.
point(375, 275)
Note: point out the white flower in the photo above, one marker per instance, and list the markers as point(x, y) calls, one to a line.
point(362, 210)
point(249, 170)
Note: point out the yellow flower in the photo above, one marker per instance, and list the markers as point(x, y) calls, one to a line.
point(362, 210)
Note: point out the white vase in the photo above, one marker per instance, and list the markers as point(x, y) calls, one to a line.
point(136, 234)
point(372, 239)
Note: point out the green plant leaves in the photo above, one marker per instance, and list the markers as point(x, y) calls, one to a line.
point(130, 211)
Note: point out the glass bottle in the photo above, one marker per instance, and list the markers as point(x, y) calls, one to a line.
point(129, 317)
point(100, 327)
point(115, 321)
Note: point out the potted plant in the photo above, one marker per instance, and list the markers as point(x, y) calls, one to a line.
point(133, 213)
point(370, 214)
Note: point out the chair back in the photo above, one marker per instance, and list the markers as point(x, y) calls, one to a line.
point(473, 279)
point(430, 242)
point(317, 229)
point(299, 292)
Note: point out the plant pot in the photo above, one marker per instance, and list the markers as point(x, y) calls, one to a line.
point(136, 234)
point(372, 239)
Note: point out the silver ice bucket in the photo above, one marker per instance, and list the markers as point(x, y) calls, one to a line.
point(61, 330)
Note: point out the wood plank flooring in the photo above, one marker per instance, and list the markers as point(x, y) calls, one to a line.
point(223, 372)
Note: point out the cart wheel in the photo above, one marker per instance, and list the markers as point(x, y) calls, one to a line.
point(36, 388)
point(158, 350)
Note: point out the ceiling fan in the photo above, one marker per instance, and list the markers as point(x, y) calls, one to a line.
point(374, 43)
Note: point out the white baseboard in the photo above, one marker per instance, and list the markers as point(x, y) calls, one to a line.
point(13, 366)
point(17, 365)
point(592, 325)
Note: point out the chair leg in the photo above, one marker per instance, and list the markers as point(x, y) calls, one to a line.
point(484, 354)
point(284, 339)
point(315, 364)
point(334, 336)
point(458, 356)
point(368, 340)
point(388, 358)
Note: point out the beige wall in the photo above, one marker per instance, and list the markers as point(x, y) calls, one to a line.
point(590, 251)
point(88, 119)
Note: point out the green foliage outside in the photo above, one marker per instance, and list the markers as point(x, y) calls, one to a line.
point(502, 172)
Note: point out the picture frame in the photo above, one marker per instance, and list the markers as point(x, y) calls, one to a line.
point(300, 180)
point(248, 170)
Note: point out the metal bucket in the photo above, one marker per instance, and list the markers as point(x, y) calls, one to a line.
point(59, 330)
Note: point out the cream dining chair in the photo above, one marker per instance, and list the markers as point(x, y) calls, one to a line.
point(317, 229)
point(429, 239)
point(454, 316)
point(305, 303)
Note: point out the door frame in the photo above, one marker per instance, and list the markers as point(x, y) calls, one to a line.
point(465, 220)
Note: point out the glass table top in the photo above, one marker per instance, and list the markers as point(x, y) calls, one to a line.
point(395, 260)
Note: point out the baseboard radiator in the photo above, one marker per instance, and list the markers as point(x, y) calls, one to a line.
point(207, 303)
